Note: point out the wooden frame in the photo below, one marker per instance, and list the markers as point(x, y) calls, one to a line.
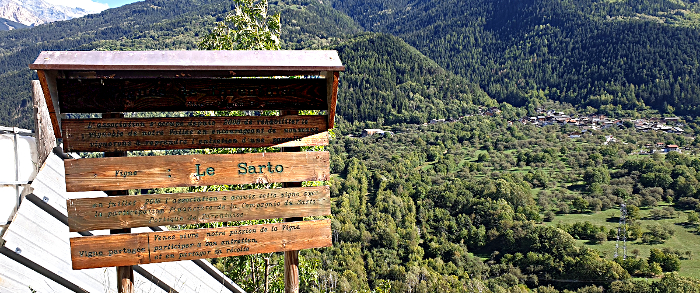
point(111, 83)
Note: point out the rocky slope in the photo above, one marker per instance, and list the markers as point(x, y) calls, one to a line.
point(35, 12)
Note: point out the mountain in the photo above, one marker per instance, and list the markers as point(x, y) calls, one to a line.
point(615, 56)
point(35, 12)
point(151, 25)
point(611, 57)
point(6, 25)
point(387, 80)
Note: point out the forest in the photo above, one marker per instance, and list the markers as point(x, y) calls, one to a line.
point(479, 203)
point(475, 203)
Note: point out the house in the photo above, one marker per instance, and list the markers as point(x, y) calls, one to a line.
point(672, 120)
point(676, 130)
point(493, 111)
point(370, 132)
point(672, 148)
point(607, 124)
point(575, 135)
point(609, 139)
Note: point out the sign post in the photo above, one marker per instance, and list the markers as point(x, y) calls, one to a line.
point(173, 85)
point(125, 274)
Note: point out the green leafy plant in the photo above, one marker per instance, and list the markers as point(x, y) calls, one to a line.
point(249, 27)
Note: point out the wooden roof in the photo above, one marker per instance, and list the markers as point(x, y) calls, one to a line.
point(94, 71)
point(281, 60)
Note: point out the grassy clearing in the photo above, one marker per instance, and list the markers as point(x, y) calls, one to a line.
point(683, 240)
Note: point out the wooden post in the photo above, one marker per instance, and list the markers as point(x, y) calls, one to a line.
point(125, 274)
point(291, 258)
point(267, 274)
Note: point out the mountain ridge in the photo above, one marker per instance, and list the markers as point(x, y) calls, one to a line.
point(36, 12)
point(526, 52)
point(6, 25)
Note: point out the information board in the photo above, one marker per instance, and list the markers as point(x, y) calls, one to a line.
point(131, 134)
point(154, 247)
point(112, 83)
point(86, 214)
point(185, 94)
point(124, 173)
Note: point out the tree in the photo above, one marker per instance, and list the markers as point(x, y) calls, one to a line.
point(600, 237)
point(483, 157)
point(549, 216)
point(248, 28)
point(633, 212)
point(596, 175)
point(693, 217)
point(580, 204)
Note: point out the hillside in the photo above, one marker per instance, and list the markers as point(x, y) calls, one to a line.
point(389, 81)
point(611, 55)
point(36, 12)
point(151, 25)
point(617, 58)
point(6, 25)
point(484, 201)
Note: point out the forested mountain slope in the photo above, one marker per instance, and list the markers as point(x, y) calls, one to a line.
point(389, 81)
point(6, 25)
point(613, 55)
point(148, 25)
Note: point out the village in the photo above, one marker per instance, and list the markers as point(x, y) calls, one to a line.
point(585, 123)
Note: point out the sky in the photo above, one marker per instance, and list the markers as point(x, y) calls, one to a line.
point(92, 5)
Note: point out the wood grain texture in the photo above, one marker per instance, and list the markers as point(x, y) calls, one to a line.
point(201, 207)
point(239, 60)
point(153, 74)
point(194, 170)
point(143, 248)
point(142, 95)
point(130, 134)
point(45, 137)
point(332, 92)
point(48, 86)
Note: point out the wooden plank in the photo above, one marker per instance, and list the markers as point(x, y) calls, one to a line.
point(151, 74)
point(45, 137)
point(142, 248)
point(188, 276)
point(48, 86)
point(194, 170)
point(143, 95)
point(279, 60)
point(129, 134)
point(332, 92)
point(50, 185)
point(45, 240)
point(200, 207)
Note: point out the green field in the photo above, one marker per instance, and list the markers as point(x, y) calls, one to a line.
point(683, 240)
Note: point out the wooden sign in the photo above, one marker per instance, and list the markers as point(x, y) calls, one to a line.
point(155, 247)
point(143, 95)
point(104, 81)
point(161, 81)
point(130, 134)
point(123, 173)
point(87, 214)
